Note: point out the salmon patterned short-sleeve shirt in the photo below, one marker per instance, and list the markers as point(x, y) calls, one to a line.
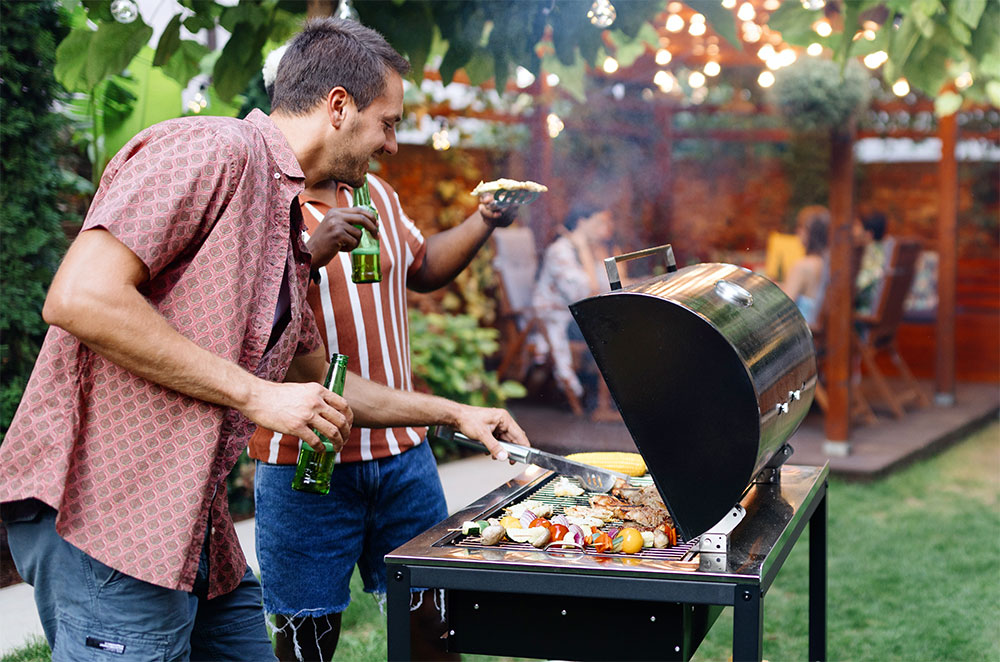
point(134, 469)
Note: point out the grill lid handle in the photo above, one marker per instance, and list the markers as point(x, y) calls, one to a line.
point(611, 263)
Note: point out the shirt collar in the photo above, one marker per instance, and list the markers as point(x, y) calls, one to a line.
point(276, 143)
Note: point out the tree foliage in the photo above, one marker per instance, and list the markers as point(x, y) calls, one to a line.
point(930, 43)
point(31, 236)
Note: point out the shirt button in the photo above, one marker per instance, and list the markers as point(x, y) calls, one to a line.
point(277, 175)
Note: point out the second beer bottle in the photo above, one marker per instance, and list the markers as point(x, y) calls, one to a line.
point(366, 258)
point(314, 469)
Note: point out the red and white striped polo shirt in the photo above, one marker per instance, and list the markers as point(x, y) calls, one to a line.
point(367, 322)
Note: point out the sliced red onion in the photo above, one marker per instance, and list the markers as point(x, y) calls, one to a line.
point(612, 532)
point(576, 537)
point(527, 517)
point(578, 529)
point(561, 519)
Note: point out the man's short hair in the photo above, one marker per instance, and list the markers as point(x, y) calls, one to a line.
point(331, 52)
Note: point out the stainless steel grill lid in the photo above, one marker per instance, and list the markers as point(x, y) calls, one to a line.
point(712, 368)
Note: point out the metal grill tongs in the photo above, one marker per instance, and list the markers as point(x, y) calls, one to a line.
point(592, 478)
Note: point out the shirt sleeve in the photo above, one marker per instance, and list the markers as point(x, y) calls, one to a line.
point(163, 192)
point(309, 337)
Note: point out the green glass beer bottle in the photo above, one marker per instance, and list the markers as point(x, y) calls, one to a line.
point(313, 471)
point(365, 259)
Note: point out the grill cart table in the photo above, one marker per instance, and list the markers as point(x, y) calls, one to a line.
point(515, 600)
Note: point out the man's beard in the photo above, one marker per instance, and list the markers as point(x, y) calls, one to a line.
point(351, 172)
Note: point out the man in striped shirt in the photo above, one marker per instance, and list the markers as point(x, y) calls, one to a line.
point(386, 489)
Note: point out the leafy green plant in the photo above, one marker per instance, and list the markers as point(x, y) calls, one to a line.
point(447, 356)
point(813, 96)
point(31, 236)
point(928, 42)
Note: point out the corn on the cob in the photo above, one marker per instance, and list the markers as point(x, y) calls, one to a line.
point(630, 464)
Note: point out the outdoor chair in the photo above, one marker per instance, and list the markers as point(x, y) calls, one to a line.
point(876, 332)
point(516, 262)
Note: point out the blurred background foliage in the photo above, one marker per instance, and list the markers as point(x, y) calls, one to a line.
point(31, 236)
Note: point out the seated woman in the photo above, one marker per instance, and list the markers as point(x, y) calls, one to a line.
point(571, 270)
point(806, 280)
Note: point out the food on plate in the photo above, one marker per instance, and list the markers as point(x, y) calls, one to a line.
point(508, 185)
point(564, 488)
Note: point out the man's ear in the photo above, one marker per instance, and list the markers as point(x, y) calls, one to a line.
point(338, 104)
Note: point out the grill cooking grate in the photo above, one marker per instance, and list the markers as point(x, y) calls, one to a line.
point(545, 494)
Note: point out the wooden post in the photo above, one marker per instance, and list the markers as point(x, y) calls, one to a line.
point(662, 229)
point(944, 360)
point(540, 166)
point(839, 325)
point(320, 8)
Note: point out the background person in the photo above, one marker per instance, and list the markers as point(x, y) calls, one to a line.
point(385, 489)
point(807, 277)
point(872, 270)
point(572, 268)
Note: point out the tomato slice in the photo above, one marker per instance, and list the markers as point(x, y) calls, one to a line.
point(558, 531)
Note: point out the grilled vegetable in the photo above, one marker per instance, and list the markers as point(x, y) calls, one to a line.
point(660, 539)
point(509, 522)
point(631, 540)
point(630, 464)
point(492, 534)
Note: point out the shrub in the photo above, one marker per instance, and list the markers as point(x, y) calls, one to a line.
point(31, 237)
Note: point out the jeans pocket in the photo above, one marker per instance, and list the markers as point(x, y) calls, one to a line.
point(104, 576)
point(78, 641)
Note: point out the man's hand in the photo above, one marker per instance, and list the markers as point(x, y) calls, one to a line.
point(298, 409)
point(496, 216)
point(337, 233)
point(486, 425)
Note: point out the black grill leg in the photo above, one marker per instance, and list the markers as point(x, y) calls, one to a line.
point(817, 582)
point(748, 624)
point(398, 614)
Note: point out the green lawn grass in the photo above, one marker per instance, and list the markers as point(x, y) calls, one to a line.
point(914, 573)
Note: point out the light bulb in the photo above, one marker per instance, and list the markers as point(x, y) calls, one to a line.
point(610, 65)
point(602, 13)
point(766, 52)
point(663, 56)
point(752, 32)
point(963, 80)
point(728, 4)
point(696, 79)
point(712, 68)
point(901, 88)
point(815, 49)
point(124, 11)
point(523, 78)
point(746, 12)
point(876, 59)
point(552, 80)
point(696, 29)
point(674, 23)
point(823, 28)
point(554, 125)
point(765, 79)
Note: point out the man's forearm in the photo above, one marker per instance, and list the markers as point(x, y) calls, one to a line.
point(449, 252)
point(378, 406)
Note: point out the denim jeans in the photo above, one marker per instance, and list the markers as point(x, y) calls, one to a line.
point(90, 611)
point(308, 544)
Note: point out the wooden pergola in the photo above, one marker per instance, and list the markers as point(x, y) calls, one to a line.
point(691, 52)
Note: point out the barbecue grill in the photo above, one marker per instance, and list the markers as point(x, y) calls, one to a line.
point(713, 434)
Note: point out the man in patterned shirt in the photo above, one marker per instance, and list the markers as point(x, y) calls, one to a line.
point(176, 313)
point(385, 489)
